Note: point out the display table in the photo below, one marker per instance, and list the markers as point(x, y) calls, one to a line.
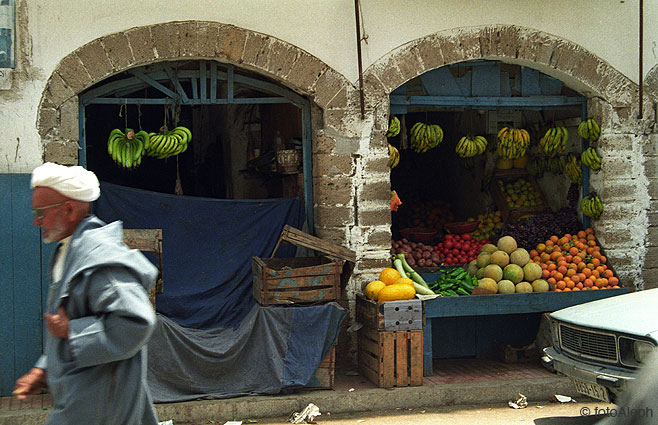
point(495, 305)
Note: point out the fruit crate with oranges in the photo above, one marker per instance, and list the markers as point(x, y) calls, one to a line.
point(404, 315)
point(575, 262)
point(391, 359)
point(511, 212)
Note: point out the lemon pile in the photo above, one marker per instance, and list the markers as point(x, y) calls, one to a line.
point(390, 286)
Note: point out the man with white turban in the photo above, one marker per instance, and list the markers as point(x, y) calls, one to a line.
point(99, 317)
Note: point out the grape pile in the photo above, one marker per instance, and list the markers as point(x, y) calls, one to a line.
point(573, 194)
point(530, 231)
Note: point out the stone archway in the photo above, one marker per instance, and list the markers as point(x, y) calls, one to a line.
point(333, 101)
point(57, 117)
point(613, 101)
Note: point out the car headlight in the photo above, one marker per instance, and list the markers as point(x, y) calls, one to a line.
point(642, 350)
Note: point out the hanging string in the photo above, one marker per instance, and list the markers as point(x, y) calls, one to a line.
point(166, 115)
point(470, 122)
point(139, 116)
point(125, 104)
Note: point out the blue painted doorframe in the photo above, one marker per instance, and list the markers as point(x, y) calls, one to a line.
point(23, 281)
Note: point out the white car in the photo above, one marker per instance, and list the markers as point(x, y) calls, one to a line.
point(601, 344)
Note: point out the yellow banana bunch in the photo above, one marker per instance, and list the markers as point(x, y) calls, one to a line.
point(589, 130)
point(554, 141)
point(590, 158)
point(425, 136)
point(573, 168)
point(512, 142)
point(393, 127)
point(169, 143)
point(591, 206)
point(126, 149)
point(469, 146)
point(393, 156)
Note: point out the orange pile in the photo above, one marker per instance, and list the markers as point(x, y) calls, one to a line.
point(574, 263)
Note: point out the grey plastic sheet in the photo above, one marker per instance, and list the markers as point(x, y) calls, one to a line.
point(273, 349)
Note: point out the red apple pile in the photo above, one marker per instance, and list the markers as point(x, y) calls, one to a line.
point(459, 249)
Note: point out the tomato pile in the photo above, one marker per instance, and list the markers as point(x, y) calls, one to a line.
point(459, 249)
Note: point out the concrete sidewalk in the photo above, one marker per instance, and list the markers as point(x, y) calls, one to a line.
point(464, 381)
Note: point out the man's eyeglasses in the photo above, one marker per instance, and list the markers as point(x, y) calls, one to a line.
point(38, 210)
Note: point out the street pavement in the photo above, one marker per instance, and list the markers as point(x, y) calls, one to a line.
point(573, 413)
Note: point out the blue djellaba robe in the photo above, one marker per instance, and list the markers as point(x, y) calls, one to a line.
point(98, 375)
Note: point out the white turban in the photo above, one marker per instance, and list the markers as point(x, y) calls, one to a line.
point(73, 182)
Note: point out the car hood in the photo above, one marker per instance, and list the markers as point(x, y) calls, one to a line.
point(633, 313)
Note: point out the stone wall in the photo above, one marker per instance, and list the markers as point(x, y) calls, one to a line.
point(351, 181)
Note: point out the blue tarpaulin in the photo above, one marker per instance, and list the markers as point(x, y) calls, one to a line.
point(212, 339)
point(207, 247)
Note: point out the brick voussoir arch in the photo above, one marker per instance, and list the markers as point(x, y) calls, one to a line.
point(139, 46)
point(578, 68)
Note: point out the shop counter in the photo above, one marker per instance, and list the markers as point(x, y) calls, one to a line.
point(498, 305)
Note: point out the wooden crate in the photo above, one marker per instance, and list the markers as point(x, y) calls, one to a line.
point(148, 240)
point(324, 375)
point(300, 280)
point(513, 214)
point(391, 359)
point(389, 316)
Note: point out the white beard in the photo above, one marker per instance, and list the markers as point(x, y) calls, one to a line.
point(56, 234)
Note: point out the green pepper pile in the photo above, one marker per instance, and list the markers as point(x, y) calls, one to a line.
point(454, 282)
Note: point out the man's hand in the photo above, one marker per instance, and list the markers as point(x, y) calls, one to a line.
point(29, 384)
point(58, 324)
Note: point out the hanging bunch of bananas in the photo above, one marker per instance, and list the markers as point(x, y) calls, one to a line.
point(589, 130)
point(590, 158)
point(512, 142)
point(573, 168)
point(536, 166)
point(467, 162)
point(591, 206)
point(554, 141)
point(469, 146)
point(169, 143)
point(425, 136)
point(556, 164)
point(393, 127)
point(393, 156)
point(126, 149)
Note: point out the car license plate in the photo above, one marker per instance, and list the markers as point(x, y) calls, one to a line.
point(596, 391)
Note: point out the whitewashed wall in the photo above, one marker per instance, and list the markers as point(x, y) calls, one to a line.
point(48, 30)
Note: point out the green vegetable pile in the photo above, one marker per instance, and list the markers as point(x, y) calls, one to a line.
point(454, 282)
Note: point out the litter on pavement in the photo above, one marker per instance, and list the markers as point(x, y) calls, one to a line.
point(520, 403)
point(307, 415)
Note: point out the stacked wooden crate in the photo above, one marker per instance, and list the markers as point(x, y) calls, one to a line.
point(390, 342)
point(304, 281)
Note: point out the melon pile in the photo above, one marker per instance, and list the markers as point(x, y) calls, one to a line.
point(505, 268)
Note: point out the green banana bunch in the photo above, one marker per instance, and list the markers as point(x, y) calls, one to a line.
point(591, 206)
point(512, 142)
point(554, 141)
point(589, 130)
point(469, 146)
point(537, 166)
point(425, 136)
point(169, 143)
point(590, 158)
point(126, 149)
point(573, 169)
point(393, 156)
point(393, 127)
point(555, 164)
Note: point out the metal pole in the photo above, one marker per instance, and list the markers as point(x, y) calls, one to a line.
point(641, 29)
point(358, 53)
